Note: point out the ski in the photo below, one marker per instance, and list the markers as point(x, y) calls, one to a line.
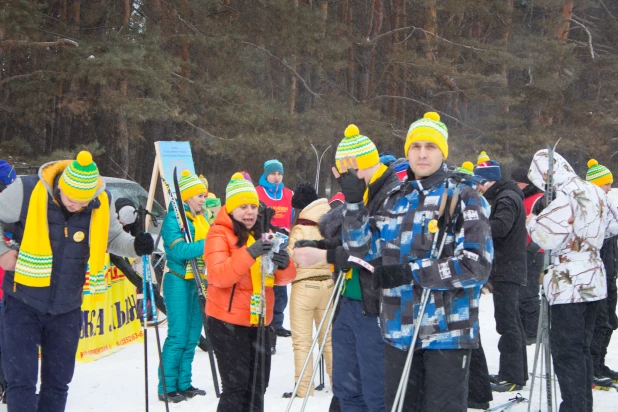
point(607, 388)
point(508, 405)
point(181, 217)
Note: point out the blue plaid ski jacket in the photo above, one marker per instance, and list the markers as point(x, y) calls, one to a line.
point(402, 232)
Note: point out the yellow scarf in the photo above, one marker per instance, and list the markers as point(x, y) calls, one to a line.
point(35, 259)
point(378, 174)
point(256, 282)
point(201, 229)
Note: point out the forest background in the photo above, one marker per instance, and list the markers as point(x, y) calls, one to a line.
point(249, 80)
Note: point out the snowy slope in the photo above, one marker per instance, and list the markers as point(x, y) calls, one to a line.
point(116, 383)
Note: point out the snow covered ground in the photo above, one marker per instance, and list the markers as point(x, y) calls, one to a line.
point(116, 383)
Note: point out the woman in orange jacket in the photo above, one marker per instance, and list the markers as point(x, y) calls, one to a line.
point(234, 248)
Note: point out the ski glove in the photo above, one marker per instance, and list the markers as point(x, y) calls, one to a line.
point(391, 276)
point(281, 259)
point(259, 248)
point(306, 243)
point(352, 186)
point(143, 244)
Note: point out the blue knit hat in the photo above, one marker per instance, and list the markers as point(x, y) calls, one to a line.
point(489, 170)
point(272, 166)
point(7, 173)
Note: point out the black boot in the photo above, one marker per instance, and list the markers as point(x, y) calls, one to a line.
point(173, 397)
point(607, 372)
point(191, 392)
point(478, 405)
point(283, 332)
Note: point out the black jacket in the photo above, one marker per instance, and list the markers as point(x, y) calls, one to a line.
point(508, 231)
point(65, 292)
point(330, 227)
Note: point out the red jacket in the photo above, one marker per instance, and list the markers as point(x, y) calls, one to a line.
point(229, 275)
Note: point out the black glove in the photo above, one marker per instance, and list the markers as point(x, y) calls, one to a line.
point(259, 248)
point(306, 243)
point(281, 259)
point(391, 276)
point(143, 244)
point(352, 187)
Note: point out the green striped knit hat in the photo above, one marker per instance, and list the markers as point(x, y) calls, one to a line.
point(190, 185)
point(355, 145)
point(80, 178)
point(467, 168)
point(598, 174)
point(240, 192)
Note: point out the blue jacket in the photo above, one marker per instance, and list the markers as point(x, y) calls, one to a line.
point(177, 251)
point(398, 234)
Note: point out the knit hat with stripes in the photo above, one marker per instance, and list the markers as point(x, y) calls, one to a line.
point(598, 174)
point(467, 168)
point(357, 146)
point(482, 158)
point(190, 185)
point(80, 178)
point(431, 129)
point(489, 169)
point(240, 192)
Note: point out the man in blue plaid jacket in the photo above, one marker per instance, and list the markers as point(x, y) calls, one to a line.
point(432, 232)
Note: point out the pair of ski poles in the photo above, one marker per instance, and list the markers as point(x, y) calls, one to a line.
point(148, 293)
point(330, 313)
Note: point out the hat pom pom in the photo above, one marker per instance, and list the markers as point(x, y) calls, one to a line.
point(433, 116)
point(483, 153)
point(592, 162)
point(237, 175)
point(351, 131)
point(185, 173)
point(84, 158)
point(468, 166)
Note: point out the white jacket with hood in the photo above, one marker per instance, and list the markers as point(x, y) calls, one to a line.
point(573, 226)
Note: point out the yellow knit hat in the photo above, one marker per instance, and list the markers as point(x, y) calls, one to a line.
point(431, 129)
point(482, 158)
point(80, 179)
point(357, 146)
point(240, 192)
point(190, 185)
point(598, 174)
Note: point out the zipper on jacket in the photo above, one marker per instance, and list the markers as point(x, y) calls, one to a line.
point(229, 309)
point(66, 230)
point(423, 229)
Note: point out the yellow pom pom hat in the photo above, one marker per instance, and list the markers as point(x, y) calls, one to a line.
point(431, 129)
point(482, 158)
point(190, 185)
point(467, 168)
point(598, 174)
point(358, 146)
point(240, 191)
point(80, 178)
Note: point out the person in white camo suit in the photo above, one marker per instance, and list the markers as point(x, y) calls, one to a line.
point(573, 227)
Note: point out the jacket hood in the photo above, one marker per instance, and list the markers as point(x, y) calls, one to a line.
point(273, 190)
point(330, 224)
point(499, 187)
point(49, 171)
point(563, 172)
point(224, 219)
point(315, 210)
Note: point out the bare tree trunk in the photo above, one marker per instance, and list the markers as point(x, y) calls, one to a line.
point(293, 80)
point(430, 24)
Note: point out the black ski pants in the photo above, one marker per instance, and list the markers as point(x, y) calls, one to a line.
point(571, 329)
point(605, 324)
point(236, 348)
point(512, 343)
point(25, 329)
point(479, 385)
point(529, 300)
point(438, 379)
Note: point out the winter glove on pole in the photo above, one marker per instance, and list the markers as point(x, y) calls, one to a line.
point(259, 248)
point(143, 244)
point(306, 243)
point(391, 276)
point(352, 187)
point(281, 259)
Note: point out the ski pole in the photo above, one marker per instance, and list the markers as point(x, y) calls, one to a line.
point(400, 396)
point(508, 405)
point(329, 306)
point(147, 287)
